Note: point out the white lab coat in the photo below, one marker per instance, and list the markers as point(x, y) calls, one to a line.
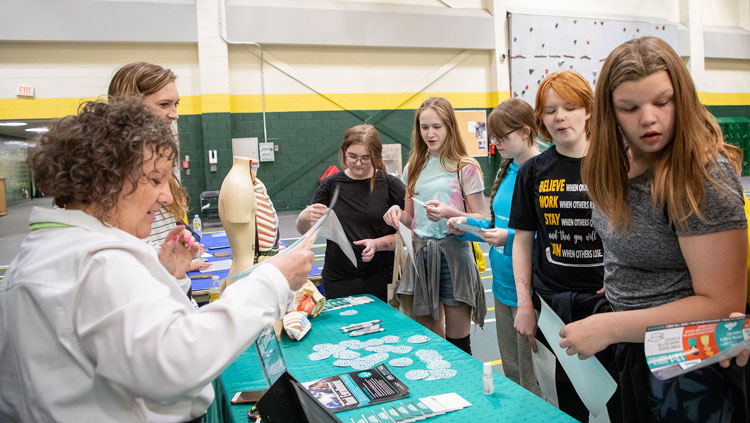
point(93, 328)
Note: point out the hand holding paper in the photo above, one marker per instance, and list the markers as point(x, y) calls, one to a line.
point(405, 234)
point(466, 228)
point(589, 378)
point(393, 216)
point(586, 337)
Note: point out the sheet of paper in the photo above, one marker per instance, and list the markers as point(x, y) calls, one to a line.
point(419, 202)
point(544, 363)
point(445, 402)
point(217, 265)
point(399, 258)
point(467, 228)
point(590, 379)
point(331, 229)
point(406, 236)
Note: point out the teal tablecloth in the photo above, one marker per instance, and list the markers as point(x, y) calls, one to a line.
point(510, 403)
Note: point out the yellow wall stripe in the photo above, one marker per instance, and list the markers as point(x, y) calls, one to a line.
point(724, 99)
point(44, 108)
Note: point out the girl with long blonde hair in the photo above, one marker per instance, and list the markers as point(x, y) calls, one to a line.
point(442, 181)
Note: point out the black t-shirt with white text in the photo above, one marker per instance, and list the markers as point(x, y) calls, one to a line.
point(550, 198)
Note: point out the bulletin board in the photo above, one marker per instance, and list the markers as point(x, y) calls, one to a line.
point(472, 126)
point(540, 45)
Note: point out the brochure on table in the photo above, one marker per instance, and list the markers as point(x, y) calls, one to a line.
point(408, 410)
point(357, 389)
point(675, 349)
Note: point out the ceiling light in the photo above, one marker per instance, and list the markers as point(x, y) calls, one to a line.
point(40, 129)
point(12, 124)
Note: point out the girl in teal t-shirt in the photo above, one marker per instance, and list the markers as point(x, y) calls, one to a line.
point(513, 132)
point(442, 182)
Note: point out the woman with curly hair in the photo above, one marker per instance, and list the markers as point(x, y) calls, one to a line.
point(93, 325)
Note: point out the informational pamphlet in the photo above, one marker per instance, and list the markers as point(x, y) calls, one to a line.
point(675, 349)
point(357, 389)
point(411, 410)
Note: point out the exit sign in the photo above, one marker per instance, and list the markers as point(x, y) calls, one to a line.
point(25, 91)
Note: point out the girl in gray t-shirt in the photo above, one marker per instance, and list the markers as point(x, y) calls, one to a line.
point(669, 209)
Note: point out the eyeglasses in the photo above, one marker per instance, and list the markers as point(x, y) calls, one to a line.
point(356, 158)
point(504, 137)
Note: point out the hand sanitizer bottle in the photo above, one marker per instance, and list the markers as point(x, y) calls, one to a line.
point(488, 383)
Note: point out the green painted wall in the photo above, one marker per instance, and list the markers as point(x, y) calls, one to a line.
point(730, 111)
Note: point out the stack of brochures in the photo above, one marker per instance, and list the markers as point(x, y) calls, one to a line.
point(357, 389)
point(406, 411)
point(379, 386)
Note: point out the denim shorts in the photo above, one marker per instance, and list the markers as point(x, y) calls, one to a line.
point(446, 285)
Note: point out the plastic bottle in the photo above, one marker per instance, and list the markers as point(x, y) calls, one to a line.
point(214, 291)
point(488, 383)
point(198, 225)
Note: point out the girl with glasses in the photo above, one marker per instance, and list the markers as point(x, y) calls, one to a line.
point(442, 182)
point(513, 131)
point(366, 191)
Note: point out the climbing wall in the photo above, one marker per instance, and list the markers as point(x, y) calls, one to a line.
point(541, 45)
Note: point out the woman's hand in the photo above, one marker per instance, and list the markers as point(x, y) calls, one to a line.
point(740, 358)
point(178, 251)
point(525, 324)
point(295, 267)
point(314, 212)
point(437, 210)
point(393, 216)
point(371, 247)
point(588, 336)
point(494, 236)
point(198, 264)
point(452, 229)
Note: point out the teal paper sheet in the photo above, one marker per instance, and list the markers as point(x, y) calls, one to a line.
point(590, 379)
